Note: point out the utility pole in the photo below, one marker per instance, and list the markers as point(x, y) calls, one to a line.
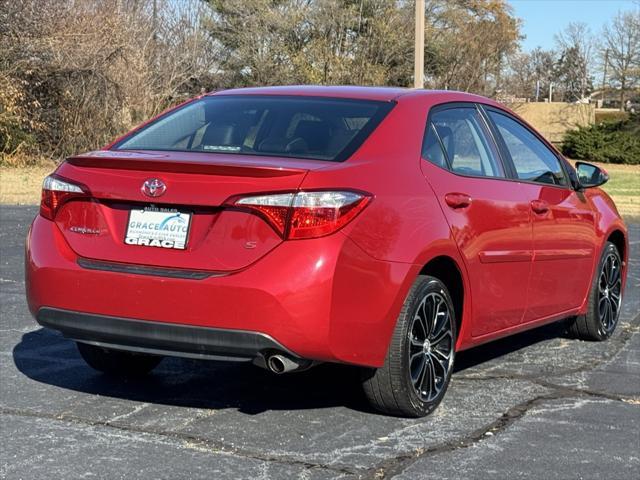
point(418, 74)
point(604, 75)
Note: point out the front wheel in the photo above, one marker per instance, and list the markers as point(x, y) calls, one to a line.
point(419, 362)
point(605, 299)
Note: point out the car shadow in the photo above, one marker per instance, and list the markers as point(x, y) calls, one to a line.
point(47, 357)
point(477, 356)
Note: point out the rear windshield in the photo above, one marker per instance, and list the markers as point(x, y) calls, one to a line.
point(300, 127)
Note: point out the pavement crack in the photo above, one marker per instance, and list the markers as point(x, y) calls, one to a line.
point(553, 386)
point(397, 465)
point(137, 409)
point(188, 441)
point(585, 392)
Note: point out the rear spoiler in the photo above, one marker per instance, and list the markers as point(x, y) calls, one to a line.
point(244, 167)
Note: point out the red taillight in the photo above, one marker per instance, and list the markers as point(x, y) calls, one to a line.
point(274, 208)
point(55, 192)
point(320, 213)
point(307, 214)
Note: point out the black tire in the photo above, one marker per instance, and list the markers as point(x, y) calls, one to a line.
point(605, 299)
point(400, 387)
point(117, 362)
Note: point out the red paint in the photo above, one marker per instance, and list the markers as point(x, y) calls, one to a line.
point(526, 251)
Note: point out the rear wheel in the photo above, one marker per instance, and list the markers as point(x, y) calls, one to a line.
point(605, 299)
point(418, 366)
point(117, 362)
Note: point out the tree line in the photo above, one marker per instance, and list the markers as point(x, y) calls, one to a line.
point(75, 73)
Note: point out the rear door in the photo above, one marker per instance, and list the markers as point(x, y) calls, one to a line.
point(489, 215)
point(563, 222)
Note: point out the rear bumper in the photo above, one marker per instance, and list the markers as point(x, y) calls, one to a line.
point(322, 299)
point(159, 338)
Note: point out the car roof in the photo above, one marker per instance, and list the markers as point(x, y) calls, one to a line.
point(364, 93)
point(361, 93)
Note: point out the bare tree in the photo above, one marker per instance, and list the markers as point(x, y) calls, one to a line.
point(265, 42)
point(622, 42)
point(75, 73)
point(528, 75)
point(519, 78)
point(543, 62)
point(467, 43)
point(362, 42)
point(575, 48)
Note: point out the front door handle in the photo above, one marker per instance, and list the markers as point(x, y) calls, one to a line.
point(539, 206)
point(457, 200)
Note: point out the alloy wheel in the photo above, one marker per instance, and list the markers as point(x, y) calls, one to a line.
point(431, 346)
point(609, 293)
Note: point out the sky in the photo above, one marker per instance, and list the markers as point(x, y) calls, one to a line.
point(542, 19)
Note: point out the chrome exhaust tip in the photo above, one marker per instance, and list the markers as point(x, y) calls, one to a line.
point(279, 364)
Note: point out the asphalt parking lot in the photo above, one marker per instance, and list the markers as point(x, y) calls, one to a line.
point(537, 405)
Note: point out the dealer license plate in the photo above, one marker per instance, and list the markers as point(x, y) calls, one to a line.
point(153, 227)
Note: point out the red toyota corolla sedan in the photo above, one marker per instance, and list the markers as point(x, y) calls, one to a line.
point(379, 227)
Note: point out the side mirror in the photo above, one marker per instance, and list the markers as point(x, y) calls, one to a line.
point(591, 176)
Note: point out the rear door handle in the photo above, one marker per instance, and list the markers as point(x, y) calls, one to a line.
point(539, 206)
point(457, 200)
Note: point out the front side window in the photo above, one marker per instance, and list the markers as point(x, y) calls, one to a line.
point(467, 149)
point(301, 127)
point(531, 158)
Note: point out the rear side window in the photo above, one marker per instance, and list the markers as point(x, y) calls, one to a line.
point(531, 158)
point(466, 148)
point(432, 149)
point(301, 127)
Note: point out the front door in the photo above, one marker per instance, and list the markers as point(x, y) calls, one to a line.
point(563, 224)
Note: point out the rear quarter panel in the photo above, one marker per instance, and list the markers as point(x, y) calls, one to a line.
point(404, 220)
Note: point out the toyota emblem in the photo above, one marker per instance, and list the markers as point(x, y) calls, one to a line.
point(153, 187)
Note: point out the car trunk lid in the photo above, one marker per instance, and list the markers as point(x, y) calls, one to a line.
point(219, 238)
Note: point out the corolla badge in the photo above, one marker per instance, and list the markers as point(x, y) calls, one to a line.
point(153, 187)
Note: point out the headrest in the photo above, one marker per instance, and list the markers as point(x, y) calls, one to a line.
point(218, 135)
point(315, 134)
